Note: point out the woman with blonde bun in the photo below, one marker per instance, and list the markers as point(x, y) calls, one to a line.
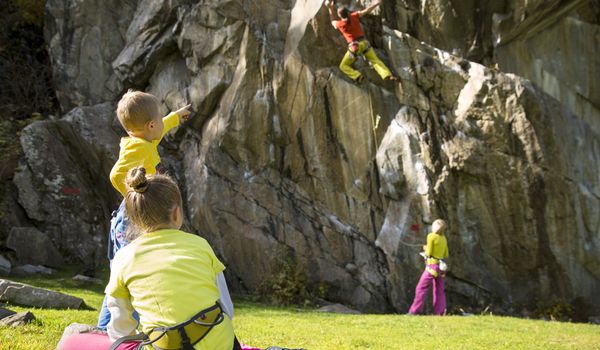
point(170, 277)
point(435, 250)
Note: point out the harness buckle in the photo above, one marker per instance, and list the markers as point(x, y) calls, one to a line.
point(354, 48)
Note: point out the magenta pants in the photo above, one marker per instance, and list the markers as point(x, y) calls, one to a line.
point(439, 297)
point(96, 341)
point(93, 341)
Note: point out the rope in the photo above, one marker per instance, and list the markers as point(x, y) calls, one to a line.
point(295, 93)
point(373, 127)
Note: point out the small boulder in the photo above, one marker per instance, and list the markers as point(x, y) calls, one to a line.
point(23, 294)
point(33, 247)
point(338, 309)
point(20, 319)
point(76, 328)
point(27, 270)
point(5, 266)
point(5, 313)
point(86, 279)
point(594, 319)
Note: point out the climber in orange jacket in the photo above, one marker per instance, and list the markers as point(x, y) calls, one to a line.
point(349, 25)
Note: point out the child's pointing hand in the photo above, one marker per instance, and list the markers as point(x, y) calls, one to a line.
point(183, 112)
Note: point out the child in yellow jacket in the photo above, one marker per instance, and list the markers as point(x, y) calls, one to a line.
point(139, 114)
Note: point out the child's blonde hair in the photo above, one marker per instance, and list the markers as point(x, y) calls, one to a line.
point(136, 108)
point(438, 226)
point(150, 200)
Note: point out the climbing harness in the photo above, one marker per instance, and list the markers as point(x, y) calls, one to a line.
point(354, 46)
point(354, 50)
point(432, 271)
point(182, 336)
point(429, 260)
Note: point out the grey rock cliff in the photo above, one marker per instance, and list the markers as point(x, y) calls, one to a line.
point(285, 152)
point(63, 185)
point(33, 247)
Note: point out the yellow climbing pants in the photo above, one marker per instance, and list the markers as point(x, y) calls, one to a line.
point(349, 59)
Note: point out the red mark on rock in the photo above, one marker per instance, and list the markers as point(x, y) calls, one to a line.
point(415, 227)
point(71, 191)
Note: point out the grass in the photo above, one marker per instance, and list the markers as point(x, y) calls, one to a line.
point(264, 325)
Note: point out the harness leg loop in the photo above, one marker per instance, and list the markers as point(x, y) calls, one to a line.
point(185, 340)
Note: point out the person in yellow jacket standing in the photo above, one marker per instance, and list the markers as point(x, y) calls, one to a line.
point(435, 250)
point(349, 25)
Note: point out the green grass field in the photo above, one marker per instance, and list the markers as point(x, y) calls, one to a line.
point(264, 325)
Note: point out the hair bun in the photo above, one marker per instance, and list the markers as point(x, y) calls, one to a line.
point(136, 180)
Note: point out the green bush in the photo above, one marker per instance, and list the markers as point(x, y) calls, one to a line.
point(32, 11)
point(287, 283)
point(557, 310)
point(25, 69)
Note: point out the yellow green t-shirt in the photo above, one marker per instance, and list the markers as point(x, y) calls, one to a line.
point(437, 247)
point(135, 151)
point(169, 276)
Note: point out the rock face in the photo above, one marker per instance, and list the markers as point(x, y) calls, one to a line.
point(539, 47)
point(63, 180)
point(5, 266)
point(26, 295)
point(472, 28)
point(76, 31)
point(285, 153)
point(462, 27)
point(552, 43)
point(33, 247)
